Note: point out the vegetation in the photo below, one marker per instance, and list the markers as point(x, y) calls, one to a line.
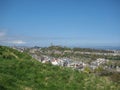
point(76, 52)
point(19, 71)
point(60, 48)
point(91, 50)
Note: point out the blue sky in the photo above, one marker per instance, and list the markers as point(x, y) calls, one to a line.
point(61, 22)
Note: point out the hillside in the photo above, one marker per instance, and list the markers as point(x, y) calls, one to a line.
point(19, 71)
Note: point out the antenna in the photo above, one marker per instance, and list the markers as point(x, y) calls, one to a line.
point(51, 44)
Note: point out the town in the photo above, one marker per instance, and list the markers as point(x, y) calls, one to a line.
point(88, 60)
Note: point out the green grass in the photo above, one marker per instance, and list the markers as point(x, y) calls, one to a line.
point(18, 71)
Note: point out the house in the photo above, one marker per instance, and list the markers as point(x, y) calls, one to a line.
point(76, 65)
point(68, 51)
point(33, 50)
point(118, 69)
point(57, 52)
point(54, 62)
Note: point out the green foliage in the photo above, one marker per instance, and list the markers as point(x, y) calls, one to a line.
point(91, 50)
point(87, 70)
point(99, 69)
point(21, 72)
point(115, 77)
point(75, 52)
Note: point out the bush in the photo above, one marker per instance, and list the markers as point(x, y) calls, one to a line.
point(115, 77)
point(2, 87)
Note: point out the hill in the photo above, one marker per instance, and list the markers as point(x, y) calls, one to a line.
point(19, 71)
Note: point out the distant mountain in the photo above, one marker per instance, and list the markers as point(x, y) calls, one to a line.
point(100, 47)
point(108, 47)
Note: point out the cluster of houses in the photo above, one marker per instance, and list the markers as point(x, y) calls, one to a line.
point(98, 62)
point(19, 48)
point(66, 62)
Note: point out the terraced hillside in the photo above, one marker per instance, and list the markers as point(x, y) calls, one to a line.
point(19, 71)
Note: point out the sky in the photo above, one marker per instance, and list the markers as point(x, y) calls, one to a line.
point(85, 23)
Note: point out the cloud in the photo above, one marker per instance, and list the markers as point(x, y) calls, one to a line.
point(17, 42)
point(13, 42)
point(6, 39)
point(2, 34)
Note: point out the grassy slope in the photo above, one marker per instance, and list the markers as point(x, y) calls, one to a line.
point(18, 71)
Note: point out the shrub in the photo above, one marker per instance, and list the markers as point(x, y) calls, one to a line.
point(115, 77)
